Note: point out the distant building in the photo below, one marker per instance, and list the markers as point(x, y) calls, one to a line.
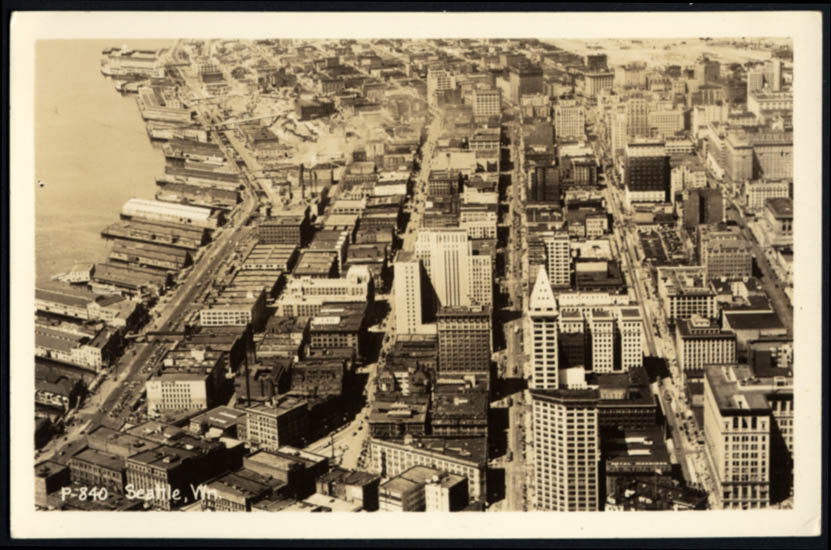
point(703, 206)
point(725, 253)
point(569, 120)
point(685, 291)
point(647, 172)
point(756, 192)
point(487, 102)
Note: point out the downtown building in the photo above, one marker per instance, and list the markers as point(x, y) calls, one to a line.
point(699, 343)
point(487, 102)
point(724, 253)
point(558, 259)
point(567, 450)
point(458, 277)
point(647, 172)
point(737, 427)
point(439, 80)
point(464, 338)
point(569, 120)
point(685, 291)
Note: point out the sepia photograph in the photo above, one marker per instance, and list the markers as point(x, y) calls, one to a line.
point(506, 267)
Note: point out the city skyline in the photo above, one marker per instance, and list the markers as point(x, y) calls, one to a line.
point(435, 275)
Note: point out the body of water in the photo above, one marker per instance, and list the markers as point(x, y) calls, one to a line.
point(92, 153)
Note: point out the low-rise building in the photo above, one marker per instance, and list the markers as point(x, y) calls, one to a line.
point(285, 422)
point(466, 457)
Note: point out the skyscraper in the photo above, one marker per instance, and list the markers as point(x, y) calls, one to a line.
point(558, 259)
point(438, 80)
point(458, 277)
point(444, 254)
point(569, 120)
point(407, 293)
point(647, 173)
point(602, 335)
point(637, 116)
point(703, 206)
point(630, 325)
point(542, 318)
point(464, 335)
point(566, 450)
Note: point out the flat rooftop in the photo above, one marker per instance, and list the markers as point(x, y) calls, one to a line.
point(732, 399)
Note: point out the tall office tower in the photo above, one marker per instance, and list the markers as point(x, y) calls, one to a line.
point(569, 120)
point(755, 80)
point(480, 269)
point(647, 173)
point(630, 326)
point(542, 322)
point(558, 259)
point(703, 206)
point(438, 80)
point(637, 116)
point(737, 426)
point(567, 453)
point(464, 336)
point(773, 73)
point(407, 293)
point(597, 82)
point(487, 102)
point(444, 254)
point(618, 128)
point(707, 70)
point(602, 333)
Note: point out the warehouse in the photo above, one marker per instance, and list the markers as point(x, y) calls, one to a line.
point(168, 212)
point(161, 233)
point(150, 255)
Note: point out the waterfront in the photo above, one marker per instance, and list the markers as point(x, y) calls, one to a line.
point(92, 153)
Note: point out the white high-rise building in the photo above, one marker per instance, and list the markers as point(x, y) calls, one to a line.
point(567, 450)
point(407, 298)
point(569, 120)
point(444, 254)
point(630, 325)
point(481, 279)
point(459, 277)
point(602, 334)
point(542, 322)
point(619, 129)
point(558, 259)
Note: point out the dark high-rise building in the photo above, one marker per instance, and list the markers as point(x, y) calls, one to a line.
point(703, 206)
point(647, 175)
point(544, 184)
point(464, 338)
point(596, 62)
point(525, 80)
